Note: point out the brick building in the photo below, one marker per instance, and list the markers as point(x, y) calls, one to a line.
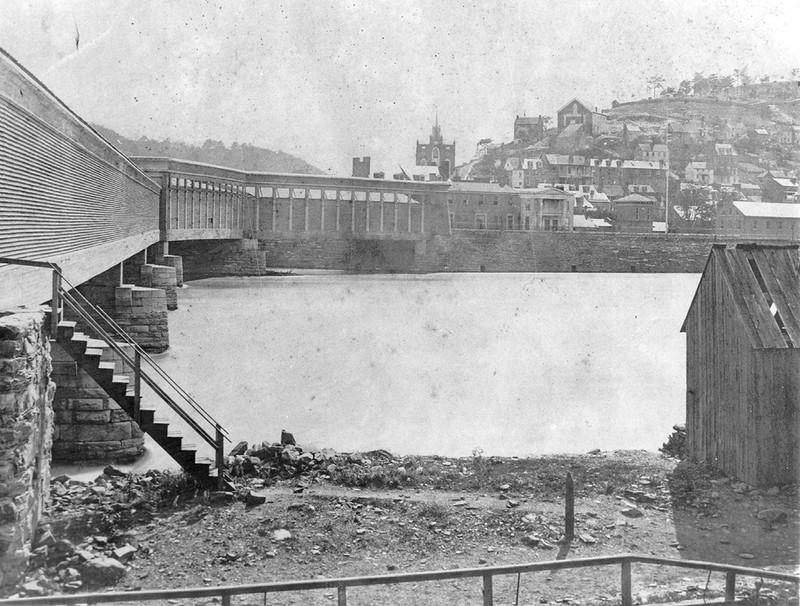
point(483, 206)
point(635, 213)
point(578, 112)
point(547, 209)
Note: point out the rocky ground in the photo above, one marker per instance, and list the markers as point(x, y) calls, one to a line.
point(305, 515)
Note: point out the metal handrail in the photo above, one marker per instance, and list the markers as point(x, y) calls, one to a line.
point(70, 300)
point(138, 349)
point(487, 574)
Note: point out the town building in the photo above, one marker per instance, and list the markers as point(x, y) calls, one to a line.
point(724, 161)
point(758, 220)
point(635, 213)
point(742, 360)
point(473, 205)
point(361, 167)
point(437, 153)
point(687, 133)
point(578, 112)
point(650, 152)
point(528, 129)
point(698, 172)
point(777, 186)
point(547, 209)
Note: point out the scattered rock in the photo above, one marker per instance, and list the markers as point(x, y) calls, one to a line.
point(239, 449)
point(632, 512)
point(253, 499)
point(287, 438)
point(124, 553)
point(102, 571)
point(747, 556)
point(512, 503)
point(504, 487)
point(219, 497)
point(113, 472)
point(281, 534)
point(772, 516)
point(587, 538)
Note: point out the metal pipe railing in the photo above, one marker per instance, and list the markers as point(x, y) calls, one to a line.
point(487, 574)
point(143, 354)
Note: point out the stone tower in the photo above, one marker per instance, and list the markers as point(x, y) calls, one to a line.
point(437, 153)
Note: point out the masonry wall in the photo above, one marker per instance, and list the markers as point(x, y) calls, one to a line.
point(465, 250)
point(88, 423)
point(26, 417)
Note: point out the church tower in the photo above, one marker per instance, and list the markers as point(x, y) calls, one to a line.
point(437, 153)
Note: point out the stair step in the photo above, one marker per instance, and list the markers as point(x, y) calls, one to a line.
point(96, 344)
point(66, 329)
point(93, 352)
point(105, 366)
point(120, 379)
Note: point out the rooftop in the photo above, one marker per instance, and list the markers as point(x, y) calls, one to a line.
point(768, 210)
point(765, 286)
point(475, 186)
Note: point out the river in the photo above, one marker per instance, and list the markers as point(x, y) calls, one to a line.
point(507, 364)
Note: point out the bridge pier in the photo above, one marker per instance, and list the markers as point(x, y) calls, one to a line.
point(26, 419)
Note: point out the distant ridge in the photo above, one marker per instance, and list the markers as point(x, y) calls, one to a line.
point(241, 156)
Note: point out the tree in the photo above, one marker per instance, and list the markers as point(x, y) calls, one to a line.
point(655, 83)
point(713, 82)
point(726, 82)
point(695, 209)
point(668, 92)
point(765, 79)
point(699, 84)
point(685, 87)
point(546, 122)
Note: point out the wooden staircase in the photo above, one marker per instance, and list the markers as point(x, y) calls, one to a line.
point(89, 354)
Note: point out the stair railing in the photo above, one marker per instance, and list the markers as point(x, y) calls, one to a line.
point(217, 440)
point(62, 298)
point(141, 354)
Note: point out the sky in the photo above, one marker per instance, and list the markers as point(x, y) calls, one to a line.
point(327, 81)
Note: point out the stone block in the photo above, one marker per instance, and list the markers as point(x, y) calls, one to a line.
point(92, 417)
point(89, 404)
point(101, 433)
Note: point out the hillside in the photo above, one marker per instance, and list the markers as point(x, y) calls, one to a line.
point(240, 156)
point(752, 115)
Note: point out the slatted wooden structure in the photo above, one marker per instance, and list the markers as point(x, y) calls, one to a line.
point(66, 194)
point(743, 363)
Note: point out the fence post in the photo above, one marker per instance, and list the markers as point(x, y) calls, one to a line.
point(341, 595)
point(627, 600)
point(220, 458)
point(730, 587)
point(569, 510)
point(488, 600)
point(55, 304)
point(137, 386)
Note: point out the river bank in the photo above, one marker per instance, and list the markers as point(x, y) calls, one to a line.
point(454, 512)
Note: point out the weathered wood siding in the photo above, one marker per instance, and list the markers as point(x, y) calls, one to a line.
point(64, 190)
point(741, 402)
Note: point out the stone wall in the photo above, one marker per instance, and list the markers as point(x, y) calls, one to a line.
point(176, 262)
point(89, 425)
point(26, 418)
point(465, 250)
point(477, 250)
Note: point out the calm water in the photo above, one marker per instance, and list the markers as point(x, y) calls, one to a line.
point(514, 364)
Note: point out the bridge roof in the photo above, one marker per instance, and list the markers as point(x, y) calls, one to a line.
point(200, 170)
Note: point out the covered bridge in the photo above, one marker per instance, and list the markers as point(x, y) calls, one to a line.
point(743, 363)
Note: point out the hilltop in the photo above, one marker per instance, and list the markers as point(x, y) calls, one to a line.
point(242, 156)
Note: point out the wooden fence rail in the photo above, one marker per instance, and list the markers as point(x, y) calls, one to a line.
point(486, 573)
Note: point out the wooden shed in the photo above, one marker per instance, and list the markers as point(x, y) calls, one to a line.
point(743, 363)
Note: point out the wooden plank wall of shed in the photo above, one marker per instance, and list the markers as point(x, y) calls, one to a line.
point(720, 421)
point(776, 391)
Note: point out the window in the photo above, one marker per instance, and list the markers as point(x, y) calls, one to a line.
point(465, 201)
point(495, 202)
point(755, 225)
point(780, 224)
point(510, 222)
point(769, 224)
point(480, 201)
point(480, 221)
point(510, 202)
point(527, 205)
point(449, 202)
point(527, 223)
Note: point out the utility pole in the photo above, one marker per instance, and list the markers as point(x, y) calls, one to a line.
point(666, 190)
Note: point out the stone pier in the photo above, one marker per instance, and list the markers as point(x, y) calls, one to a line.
point(89, 425)
point(26, 418)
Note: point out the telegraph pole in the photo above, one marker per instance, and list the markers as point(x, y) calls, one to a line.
point(666, 190)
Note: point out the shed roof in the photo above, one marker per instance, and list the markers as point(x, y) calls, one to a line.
point(635, 199)
point(764, 282)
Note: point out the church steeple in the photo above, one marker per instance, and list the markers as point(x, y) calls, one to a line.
point(436, 132)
